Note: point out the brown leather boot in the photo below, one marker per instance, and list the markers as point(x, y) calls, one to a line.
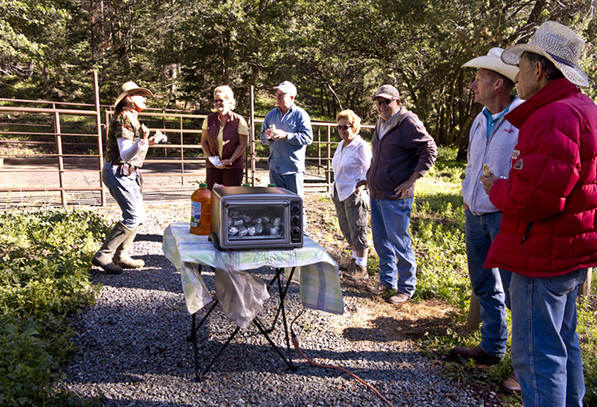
point(477, 354)
point(511, 385)
point(356, 272)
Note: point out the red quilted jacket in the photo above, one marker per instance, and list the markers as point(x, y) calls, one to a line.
point(549, 201)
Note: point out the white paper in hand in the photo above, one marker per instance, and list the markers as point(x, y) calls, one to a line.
point(159, 137)
point(215, 160)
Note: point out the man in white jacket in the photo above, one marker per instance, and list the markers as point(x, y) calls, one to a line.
point(491, 143)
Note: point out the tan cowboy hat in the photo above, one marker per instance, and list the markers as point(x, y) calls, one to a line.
point(559, 44)
point(493, 62)
point(128, 89)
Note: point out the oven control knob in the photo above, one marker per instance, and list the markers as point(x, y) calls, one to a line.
point(296, 208)
point(296, 231)
point(296, 220)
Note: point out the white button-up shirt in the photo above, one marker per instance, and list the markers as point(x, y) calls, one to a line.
point(350, 165)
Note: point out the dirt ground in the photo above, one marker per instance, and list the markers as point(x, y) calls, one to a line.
point(410, 322)
point(415, 319)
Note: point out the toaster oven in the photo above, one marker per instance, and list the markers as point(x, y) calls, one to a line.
point(256, 218)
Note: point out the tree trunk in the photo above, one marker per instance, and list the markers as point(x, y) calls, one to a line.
point(464, 135)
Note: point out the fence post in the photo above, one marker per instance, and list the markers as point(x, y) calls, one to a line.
point(58, 138)
point(252, 149)
point(328, 153)
point(474, 315)
point(585, 289)
point(98, 126)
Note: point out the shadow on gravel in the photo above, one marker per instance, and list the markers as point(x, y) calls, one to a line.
point(84, 401)
point(148, 238)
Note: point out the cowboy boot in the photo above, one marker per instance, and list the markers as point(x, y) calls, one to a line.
point(103, 257)
point(121, 257)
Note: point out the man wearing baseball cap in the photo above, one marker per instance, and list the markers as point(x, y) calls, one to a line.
point(287, 131)
point(548, 234)
point(403, 151)
point(491, 142)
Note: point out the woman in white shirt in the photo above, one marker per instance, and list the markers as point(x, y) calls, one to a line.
point(350, 195)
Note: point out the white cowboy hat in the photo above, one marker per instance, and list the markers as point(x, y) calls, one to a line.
point(559, 44)
point(493, 62)
point(130, 88)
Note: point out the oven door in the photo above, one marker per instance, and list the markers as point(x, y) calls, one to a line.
point(251, 224)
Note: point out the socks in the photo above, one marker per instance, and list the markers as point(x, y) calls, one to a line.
point(361, 261)
point(354, 254)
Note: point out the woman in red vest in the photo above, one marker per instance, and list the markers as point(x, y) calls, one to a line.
point(223, 139)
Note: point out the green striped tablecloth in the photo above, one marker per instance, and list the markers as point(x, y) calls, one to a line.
point(316, 271)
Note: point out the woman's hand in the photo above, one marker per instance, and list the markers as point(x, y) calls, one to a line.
point(359, 187)
point(224, 164)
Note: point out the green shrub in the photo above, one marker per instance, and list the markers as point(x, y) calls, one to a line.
point(45, 256)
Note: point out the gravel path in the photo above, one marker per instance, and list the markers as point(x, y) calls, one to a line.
point(133, 349)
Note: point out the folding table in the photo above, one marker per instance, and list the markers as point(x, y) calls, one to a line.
point(311, 266)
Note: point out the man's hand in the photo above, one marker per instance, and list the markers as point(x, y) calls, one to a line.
point(403, 188)
point(488, 181)
point(276, 134)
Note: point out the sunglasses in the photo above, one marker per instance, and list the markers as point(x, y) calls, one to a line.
point(383, 102)
point(346, 127)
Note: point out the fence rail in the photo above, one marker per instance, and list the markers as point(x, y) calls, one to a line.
point(182, 155)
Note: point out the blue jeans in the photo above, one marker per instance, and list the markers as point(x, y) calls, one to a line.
point(127, 192)
point(489, 285)
point(389, 227)
point(545, 347)
point(292, 182)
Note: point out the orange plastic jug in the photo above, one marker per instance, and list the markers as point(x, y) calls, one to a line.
point(201, 211)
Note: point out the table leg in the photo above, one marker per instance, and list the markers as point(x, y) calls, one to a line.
point(282, 294)
point(256, 322)
point(288, 361)
point(221, 350)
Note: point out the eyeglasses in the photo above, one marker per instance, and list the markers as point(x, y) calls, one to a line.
point(345, 127)
point(219, 101)
point(383, 102)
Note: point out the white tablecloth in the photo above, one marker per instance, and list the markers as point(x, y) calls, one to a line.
point(316, 271)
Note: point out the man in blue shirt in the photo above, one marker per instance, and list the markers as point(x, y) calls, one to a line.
point(287, 130)
point(491, 143)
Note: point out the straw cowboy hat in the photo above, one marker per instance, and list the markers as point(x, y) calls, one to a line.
point(559, 44)
point(493, 62)
point(128, 89)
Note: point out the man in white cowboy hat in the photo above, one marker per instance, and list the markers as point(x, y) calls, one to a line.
point(491, 142)
point(548, 234)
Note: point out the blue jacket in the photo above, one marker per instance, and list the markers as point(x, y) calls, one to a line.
point(287, 156)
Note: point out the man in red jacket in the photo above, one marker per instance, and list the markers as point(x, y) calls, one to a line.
point(548, 233)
